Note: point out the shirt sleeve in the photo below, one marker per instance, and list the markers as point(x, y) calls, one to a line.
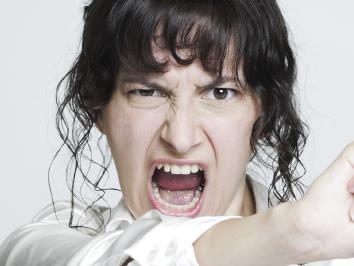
point(41, 244)
point(49, 241)
point(168, 242)
point(153, 239)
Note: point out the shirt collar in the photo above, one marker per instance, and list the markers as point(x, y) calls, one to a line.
point(120, 218)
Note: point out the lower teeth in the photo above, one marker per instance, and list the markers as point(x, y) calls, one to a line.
point(173, 207)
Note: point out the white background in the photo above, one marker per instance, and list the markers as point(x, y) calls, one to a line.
point(39, 39)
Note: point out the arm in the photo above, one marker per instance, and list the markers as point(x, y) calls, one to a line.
point(42, 244)
point(267, 238)
point(49, 241)
point(317, 227)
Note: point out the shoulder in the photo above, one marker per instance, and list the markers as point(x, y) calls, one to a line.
point(78, 214)
point(50, 239)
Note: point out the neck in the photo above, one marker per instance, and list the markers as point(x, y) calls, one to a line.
point(249, 202)
point(243, 203)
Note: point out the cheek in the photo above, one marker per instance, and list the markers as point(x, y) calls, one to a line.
point(231, 135)
point(231, 131)
point(130, 133)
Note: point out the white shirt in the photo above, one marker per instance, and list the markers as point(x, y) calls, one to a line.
point(153, 239)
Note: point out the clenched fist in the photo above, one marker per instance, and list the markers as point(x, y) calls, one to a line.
point(326, 209)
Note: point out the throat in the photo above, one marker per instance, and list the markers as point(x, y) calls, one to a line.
point(243, 201)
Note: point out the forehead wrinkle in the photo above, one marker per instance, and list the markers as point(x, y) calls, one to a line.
point(162, 82)
point(149, 81)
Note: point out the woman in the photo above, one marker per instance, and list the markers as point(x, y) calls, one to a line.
point(187, 94)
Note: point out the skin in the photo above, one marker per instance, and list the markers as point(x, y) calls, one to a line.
point(182, 120)
point(318, 227)
point(189, 124)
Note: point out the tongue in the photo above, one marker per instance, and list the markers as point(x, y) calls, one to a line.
point(177, 182)
point(178, 197)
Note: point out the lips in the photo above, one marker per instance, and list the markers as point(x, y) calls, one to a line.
point(176, 194)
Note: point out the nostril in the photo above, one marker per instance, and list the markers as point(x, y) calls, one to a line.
point(180, 134)
point(180, 147)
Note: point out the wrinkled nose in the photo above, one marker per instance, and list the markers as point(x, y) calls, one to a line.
point(180, 131)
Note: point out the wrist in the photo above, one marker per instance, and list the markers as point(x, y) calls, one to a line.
point(303, 246)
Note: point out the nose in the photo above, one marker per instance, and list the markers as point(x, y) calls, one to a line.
point(180, 131)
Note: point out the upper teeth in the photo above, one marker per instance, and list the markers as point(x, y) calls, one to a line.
point(179, 169)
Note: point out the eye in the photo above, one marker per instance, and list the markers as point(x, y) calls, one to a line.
point(221, 94)
point(146, 96)
point(147, 93)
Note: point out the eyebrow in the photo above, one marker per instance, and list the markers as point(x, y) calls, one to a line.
point(142, 80)
point(219, 81)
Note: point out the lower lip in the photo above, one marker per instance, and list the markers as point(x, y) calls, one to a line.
point(190, 213)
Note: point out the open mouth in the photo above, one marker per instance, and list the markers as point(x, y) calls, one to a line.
point(177, 190)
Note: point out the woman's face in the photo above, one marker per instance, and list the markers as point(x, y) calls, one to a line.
point(181, 141)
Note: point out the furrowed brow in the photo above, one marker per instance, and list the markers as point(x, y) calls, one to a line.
point(220, 81)
point(142, 80)
point(145, 82)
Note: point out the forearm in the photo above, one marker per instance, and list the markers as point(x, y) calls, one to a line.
point(267, 238)
point(42, 244)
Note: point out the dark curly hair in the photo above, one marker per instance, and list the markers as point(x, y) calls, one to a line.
point(118, 36)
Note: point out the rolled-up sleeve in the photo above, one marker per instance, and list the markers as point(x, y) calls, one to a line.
point(153, 239)
point(168, 242)
point(41, 244)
